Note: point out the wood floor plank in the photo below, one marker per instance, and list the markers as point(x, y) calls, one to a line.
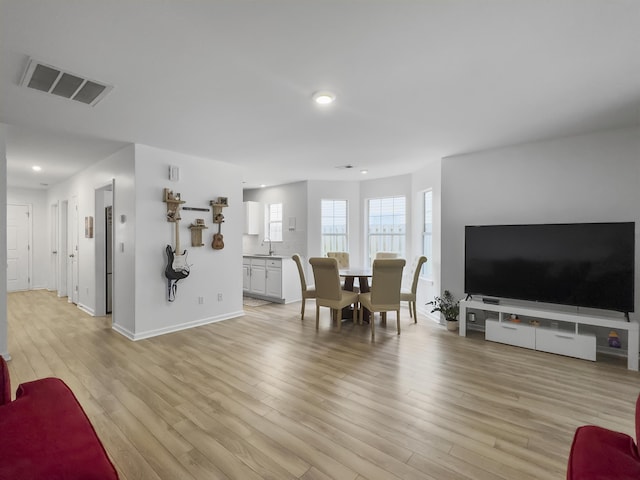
point(267, 396)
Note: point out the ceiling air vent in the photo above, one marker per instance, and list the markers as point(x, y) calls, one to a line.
point(56, 81)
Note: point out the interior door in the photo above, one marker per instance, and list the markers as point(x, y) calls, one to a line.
point(73, 250)
point(53, 242)
point(18, 248)
point(63, 249)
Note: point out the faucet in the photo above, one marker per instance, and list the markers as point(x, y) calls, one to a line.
point(271, 252)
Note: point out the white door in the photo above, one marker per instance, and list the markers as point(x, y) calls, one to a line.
point(18, 248)
point(73, 249)
point(63, 259)
point(53, 282)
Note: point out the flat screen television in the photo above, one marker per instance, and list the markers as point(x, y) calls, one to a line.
point(579, 264)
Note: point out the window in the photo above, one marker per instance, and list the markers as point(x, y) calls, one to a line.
point(274, 222)
point(387, 226)
point(333, 226)
point(427, 233)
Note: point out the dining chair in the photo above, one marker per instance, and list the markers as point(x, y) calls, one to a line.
point(308, 291)
point(343, 262)
point(385, 291)
point(409, 295)
point(328, 291)
point(342, 257)
point(386, 255)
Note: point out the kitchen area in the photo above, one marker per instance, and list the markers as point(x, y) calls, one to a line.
point(268, 272)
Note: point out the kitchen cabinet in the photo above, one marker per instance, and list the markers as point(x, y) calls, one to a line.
point(272, 278)
point(251, 218)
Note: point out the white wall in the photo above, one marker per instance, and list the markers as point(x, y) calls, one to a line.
point(213, 272)
point(40, 233)
point(587, 178)
point(427, 178)
point(4, 350)
point(293, 197)
point(118, 167)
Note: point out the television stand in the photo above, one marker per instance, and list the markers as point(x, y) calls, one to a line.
point(571, 343)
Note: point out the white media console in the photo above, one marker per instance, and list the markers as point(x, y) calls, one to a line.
point(563, 341)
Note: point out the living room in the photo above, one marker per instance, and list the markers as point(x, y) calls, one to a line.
point(583, 170)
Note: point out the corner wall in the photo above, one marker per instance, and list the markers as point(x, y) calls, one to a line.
point(4, 351)
point(213, 272)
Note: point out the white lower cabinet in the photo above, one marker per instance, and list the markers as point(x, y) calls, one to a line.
point(271, 278)
point(274, 278)
point(258, 277)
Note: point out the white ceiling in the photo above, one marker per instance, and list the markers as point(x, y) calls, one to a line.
point(232, 80)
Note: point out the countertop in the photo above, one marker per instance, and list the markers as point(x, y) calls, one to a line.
point(263, 255)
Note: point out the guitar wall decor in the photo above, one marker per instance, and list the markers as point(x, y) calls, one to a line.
point(177, 267)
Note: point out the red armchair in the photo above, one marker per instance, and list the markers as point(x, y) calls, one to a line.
point(601, 454)
point(45, 434)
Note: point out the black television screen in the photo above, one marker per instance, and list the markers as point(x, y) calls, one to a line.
point(578, 264)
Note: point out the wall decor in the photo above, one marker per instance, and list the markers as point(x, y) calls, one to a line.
point(88, 227)
point(196, 232)
point(218, 217)
point(177, 267)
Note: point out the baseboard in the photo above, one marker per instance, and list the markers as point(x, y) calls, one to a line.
point(175, 328)
point(86, 309)
point(123, 331)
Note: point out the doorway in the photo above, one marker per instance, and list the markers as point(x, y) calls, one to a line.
point(53, 242)
point(103, 250)
point(18, 247)
point(73, 262)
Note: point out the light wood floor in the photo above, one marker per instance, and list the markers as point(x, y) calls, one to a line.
point(265, 396)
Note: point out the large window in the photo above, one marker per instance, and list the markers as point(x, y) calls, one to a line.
point(387, 226)
point(274, 222)
point(427, 233)
point(334, 226)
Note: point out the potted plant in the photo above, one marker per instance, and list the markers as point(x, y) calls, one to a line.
point(449, 307)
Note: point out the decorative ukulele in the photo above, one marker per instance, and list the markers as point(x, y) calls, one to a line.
point(218, 239)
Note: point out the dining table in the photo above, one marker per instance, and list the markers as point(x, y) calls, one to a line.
point(350, 274)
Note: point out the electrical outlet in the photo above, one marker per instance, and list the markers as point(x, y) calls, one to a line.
point(219, 297)
point(200, 300)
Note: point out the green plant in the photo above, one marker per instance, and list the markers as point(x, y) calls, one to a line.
point(447, 305)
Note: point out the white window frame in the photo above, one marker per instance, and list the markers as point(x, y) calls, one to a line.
point(395, 231)
point(274, 222)
point(334, 243)
point(427, 233)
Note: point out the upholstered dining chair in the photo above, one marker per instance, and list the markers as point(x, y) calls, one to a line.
point(308, 291)
point(342, 257)
point(385, 291)
point(343, 262)
point(410, 295)
point(386, 255)
point(328, 290)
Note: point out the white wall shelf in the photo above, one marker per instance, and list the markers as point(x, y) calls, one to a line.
point(563, 341)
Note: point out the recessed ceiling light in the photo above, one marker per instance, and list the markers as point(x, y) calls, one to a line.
point(262, 186)
point(36, 168)
point(364, 172)
point(324, 98)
